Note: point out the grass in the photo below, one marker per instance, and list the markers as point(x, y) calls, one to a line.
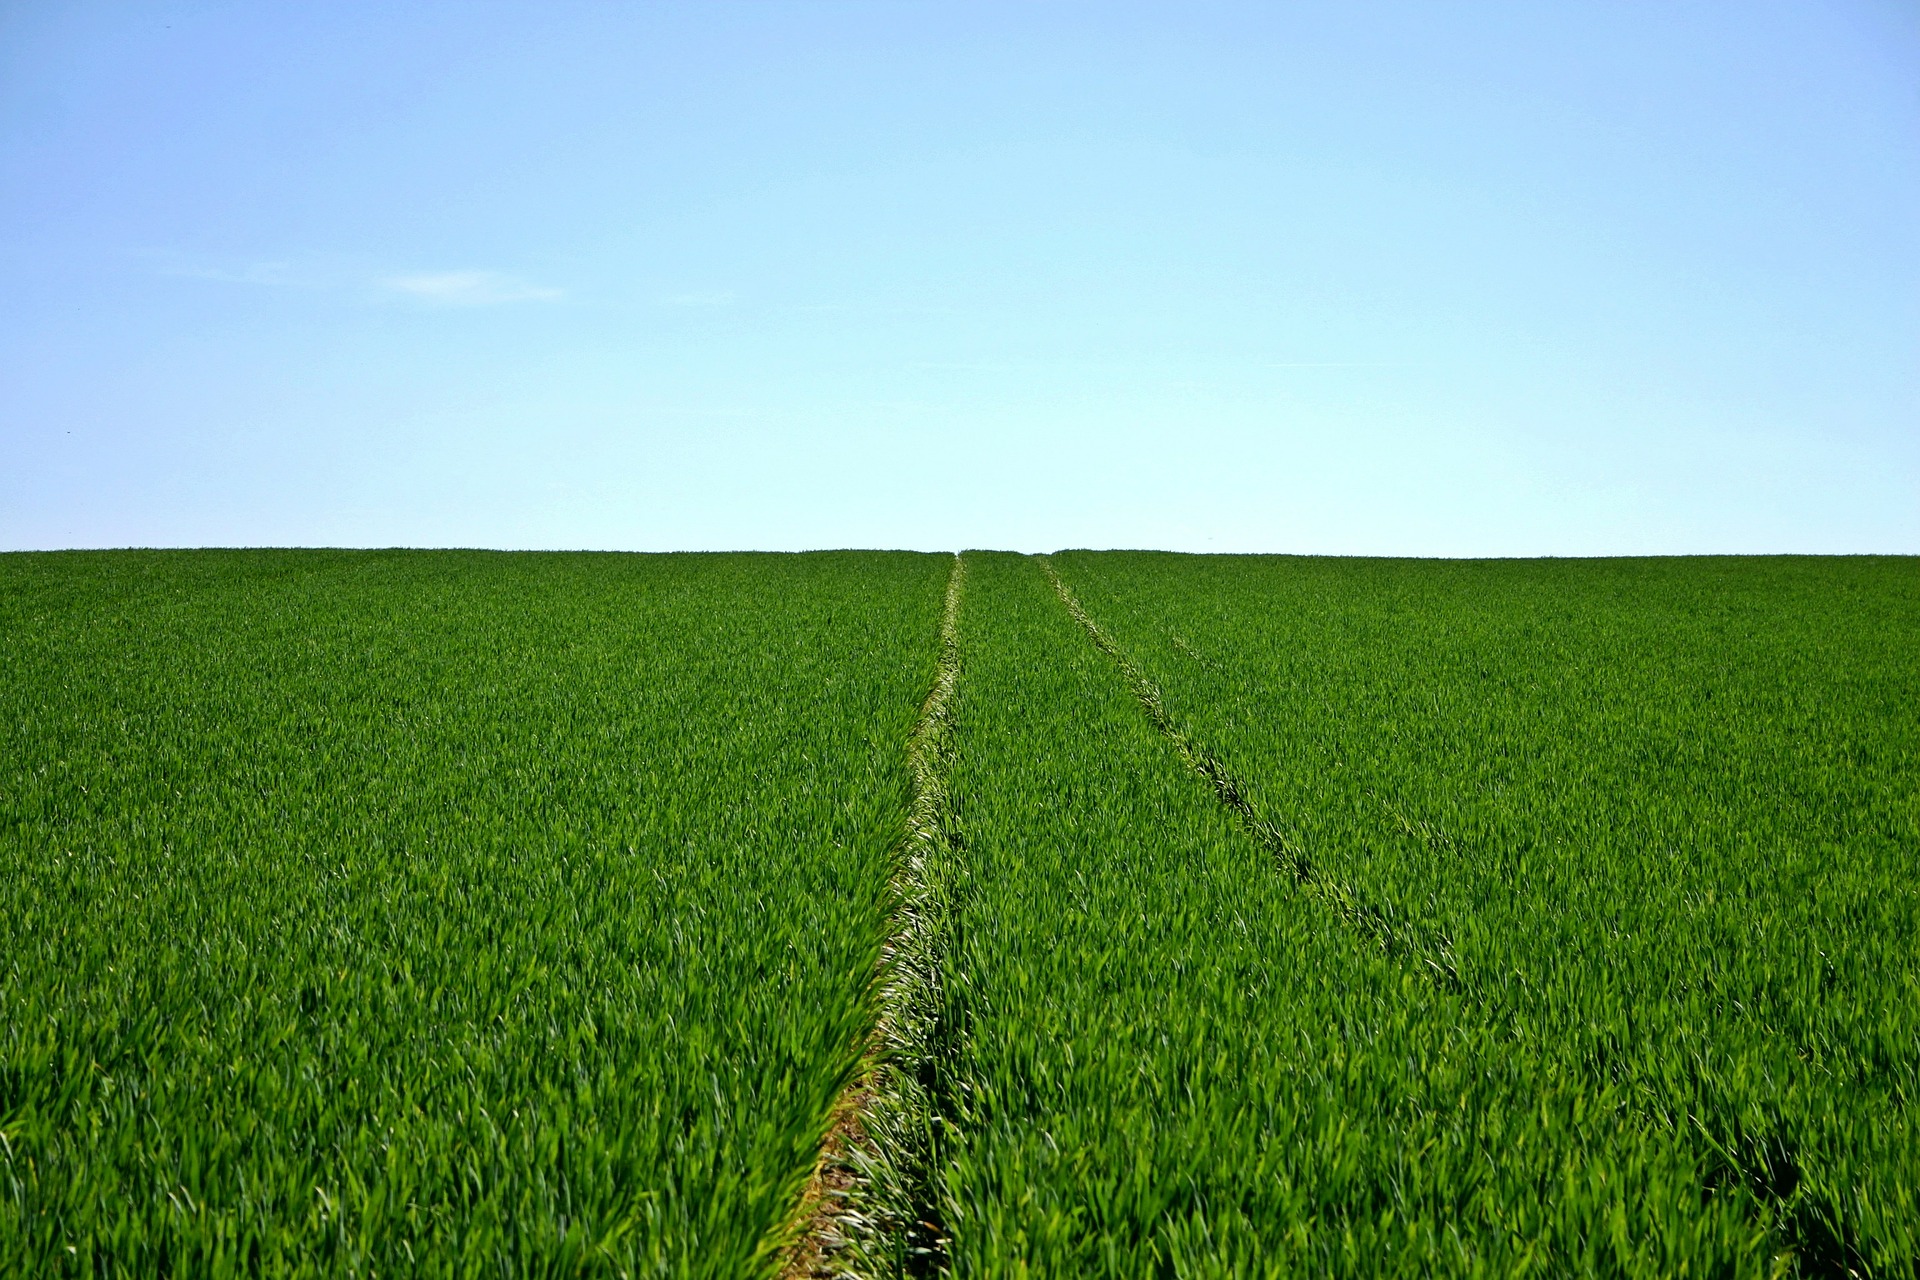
point(1656, 818)
point(471, 914)
point(451, 914)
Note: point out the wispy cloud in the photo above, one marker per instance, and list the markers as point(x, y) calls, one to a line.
point(469, 288)
point(714, 299)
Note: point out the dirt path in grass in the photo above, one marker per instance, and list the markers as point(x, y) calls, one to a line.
point(864, 1211)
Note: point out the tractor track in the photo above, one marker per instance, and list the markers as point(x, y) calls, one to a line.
point(1395, 934)
point(866, 1210)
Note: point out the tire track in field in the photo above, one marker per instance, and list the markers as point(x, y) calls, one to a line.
point(1396, 934)
point(866, 1210)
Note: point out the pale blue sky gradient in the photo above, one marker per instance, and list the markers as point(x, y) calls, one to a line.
point(1426, 279)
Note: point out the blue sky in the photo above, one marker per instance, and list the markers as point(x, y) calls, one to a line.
point(1423, 279)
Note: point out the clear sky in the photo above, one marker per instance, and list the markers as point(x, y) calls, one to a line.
point(1429, 279)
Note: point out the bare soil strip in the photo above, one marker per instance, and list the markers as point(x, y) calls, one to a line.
point(1394, 933)
point(865, 1210)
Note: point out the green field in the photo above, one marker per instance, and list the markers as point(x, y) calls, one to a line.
point(489, 914)
point(474, 914)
